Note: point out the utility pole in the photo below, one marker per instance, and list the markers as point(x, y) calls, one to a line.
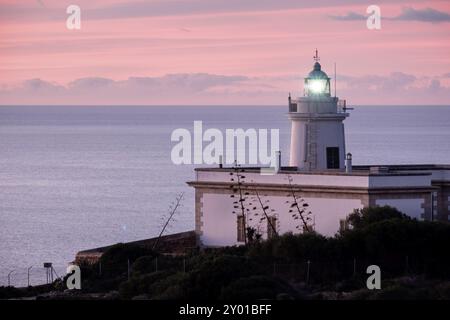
point(307, 271)
point(28, 272)
point(9, 278)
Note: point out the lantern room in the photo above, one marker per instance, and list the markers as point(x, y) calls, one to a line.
point(317, 83)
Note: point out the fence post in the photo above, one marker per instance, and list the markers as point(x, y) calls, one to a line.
point(156, 264)
point(100, 268)
point(184, 265)
point(307, 271)
point(28, 274)
point(128, 268)
point(407, 265)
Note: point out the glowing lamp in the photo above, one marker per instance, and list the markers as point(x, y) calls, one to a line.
point(317, 83)
point(317, 86)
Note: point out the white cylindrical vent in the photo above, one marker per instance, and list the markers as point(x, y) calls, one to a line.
point(348, 163)
point(277, 161)
point(220, 161)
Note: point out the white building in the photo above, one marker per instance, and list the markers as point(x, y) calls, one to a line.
point(320, 173)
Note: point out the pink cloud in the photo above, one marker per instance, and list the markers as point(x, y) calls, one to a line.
point(395, 88)
point(255, 39)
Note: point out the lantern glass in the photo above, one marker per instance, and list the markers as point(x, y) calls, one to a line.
point(317, 86)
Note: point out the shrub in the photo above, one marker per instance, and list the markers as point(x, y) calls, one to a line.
point(361, 218)
point(206, 281)
point(148, 264)
point(141, 284)
point(114, 260)
point(291, 248)
point(173, 287)
point(257, 287)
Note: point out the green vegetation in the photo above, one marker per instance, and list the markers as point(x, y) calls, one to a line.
point(413, 257)
point(278, 268)
point(13, 292)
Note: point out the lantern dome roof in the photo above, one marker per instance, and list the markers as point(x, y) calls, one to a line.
point(317, 72)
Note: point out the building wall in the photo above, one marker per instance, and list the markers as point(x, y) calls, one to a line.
point(218, 223)
point(397, 181)
point(327, 213)
point(307, 179)
point(331, 197)
point(309, 140)
point(413, 207)
point(442, 201)
point(330, 134)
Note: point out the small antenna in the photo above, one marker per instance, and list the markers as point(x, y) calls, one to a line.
point(335, 80)
point(316, 57)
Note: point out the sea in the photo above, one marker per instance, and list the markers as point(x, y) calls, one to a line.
point(80, 177)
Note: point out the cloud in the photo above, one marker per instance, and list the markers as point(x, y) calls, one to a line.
point(39, 85)
point(408, 14)
point(168, 89)
point(395, 88)
point(424, 15)
point(350, 16)
point(391, 83)
point(203, 88)
point(41, 3)
point(156, 8)
point(90, 83)
point(435, 85)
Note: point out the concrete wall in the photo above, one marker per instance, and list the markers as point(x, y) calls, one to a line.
point(317, 105)
point(412, 207)
point(309, 140)
point(383, 181)
point(338, 180)
point(219, 224)
point(331, 197)
point(343, 180)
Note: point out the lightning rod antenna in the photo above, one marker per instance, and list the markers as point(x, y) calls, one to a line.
point(335, 80)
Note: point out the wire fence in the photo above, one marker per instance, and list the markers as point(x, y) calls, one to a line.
point(28, 276)
point(308, 271)
point(321, 271)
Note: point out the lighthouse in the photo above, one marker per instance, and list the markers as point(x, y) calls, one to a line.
point(324, 174)
point(317, 128)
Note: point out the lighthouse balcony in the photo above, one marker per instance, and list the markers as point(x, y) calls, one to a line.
point(317, 105)
point(341, 106)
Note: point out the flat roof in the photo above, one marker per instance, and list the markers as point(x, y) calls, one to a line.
point(357, 170)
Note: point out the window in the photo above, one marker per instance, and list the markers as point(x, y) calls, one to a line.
point(333, 158)
point(271, 225)
point(240, 228)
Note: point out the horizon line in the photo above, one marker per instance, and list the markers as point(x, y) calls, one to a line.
point(209, 105)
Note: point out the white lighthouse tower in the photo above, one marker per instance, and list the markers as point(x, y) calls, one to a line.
point(317, 132)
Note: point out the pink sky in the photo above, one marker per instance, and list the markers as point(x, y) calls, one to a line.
point(221, 51)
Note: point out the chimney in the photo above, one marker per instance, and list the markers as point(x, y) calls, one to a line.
point(348, 163)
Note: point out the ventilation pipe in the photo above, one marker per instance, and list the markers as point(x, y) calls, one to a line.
point(348, 163)
point(277, 161)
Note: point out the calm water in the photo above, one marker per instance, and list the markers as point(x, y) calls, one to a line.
point(74, 178)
